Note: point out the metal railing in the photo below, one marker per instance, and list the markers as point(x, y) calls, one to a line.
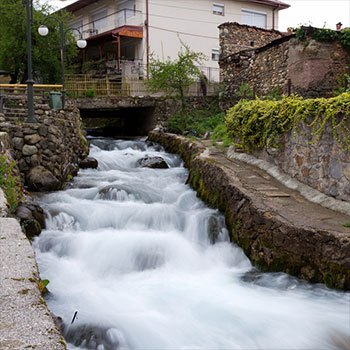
point(90, 86)
point(22, 88)
point(112, 21)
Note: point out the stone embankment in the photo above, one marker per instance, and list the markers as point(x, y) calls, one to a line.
point(277, 228)
point(47, 152)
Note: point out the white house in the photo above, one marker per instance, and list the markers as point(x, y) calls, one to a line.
point(126, 33)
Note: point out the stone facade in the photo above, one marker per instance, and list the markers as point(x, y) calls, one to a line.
point(309, 68)
point(323, 165)
point(235, 37)
point(54, 144)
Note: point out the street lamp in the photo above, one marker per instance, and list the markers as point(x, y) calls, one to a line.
point(28, 4)
point(81, 43)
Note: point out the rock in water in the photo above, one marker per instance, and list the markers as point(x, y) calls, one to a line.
point(40, 179)
point(88, 163)
point(32, 218)
point(97, 337)
point(152, 162)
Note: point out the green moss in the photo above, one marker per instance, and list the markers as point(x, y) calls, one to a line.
point(336, 276)
point(10, 182)
point(262, 124)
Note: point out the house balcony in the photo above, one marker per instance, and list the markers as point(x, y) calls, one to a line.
point(125, 17)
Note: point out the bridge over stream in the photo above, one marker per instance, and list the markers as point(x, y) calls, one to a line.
point(130, 116)
point(103, 115)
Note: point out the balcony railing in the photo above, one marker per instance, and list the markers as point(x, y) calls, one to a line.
point(112, 21)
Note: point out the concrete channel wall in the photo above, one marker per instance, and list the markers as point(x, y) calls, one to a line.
point(277, 228)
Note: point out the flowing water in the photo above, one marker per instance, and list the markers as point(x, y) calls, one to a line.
point(146, 265)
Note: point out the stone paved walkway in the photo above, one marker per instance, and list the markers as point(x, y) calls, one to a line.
point(25, 322)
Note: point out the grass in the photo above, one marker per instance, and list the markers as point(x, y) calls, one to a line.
point(196, 121)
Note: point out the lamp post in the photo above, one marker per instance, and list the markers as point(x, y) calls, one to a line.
point(30, 82)
point(81, 43)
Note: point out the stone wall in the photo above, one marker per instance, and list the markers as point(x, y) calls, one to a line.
point(323, 165)
point(47, 152)
point(309, 68)
point(235, 37)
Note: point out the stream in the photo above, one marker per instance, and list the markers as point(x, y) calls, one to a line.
point(145, 264)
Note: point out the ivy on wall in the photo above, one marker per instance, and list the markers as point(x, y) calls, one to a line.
point(259, 124)
point(323, 34)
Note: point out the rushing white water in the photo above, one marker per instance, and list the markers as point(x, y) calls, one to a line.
point(130, 249)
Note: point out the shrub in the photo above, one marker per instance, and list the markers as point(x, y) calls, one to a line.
point(91, 93)
point(260, 124)
point(323, 34)
point(220, 134)
point(198, 120)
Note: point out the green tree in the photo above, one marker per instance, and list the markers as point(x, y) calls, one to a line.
point(176, 76)
point(45, 50)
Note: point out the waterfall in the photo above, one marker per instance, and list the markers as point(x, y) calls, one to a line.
point(146, 265)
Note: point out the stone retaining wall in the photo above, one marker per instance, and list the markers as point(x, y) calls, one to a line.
point(47, 152)
point(270, 241)
point(323, 165)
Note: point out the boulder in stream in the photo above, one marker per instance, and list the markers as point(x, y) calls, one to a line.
point(32, 218)
point(91, 336)
point(40, 179)
point(152, 162)
point(88, 163)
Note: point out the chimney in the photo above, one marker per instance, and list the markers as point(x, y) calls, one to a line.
point(338, 25)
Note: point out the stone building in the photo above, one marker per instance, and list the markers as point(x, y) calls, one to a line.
point(268, 60)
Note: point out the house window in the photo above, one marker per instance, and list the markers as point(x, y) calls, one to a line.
point(253, 18)
point(99, 20)
point(126, 9)
point(215, 54)
point(218, 9)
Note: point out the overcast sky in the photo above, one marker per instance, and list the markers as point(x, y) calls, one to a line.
point(318, 13)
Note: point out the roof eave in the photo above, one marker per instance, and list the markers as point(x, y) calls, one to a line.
point(78, 5)
point(279, 5)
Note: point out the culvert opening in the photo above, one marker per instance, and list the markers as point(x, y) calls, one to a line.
point(121, 122)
